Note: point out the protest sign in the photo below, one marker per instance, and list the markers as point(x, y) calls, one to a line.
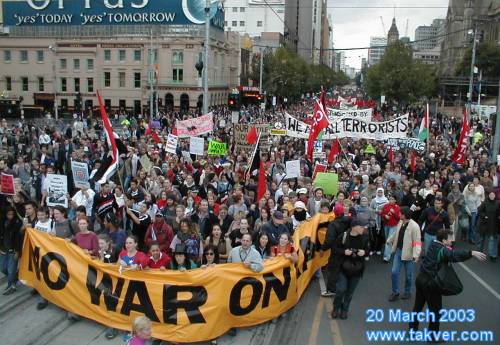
point(200, 303)
point(80, 171)
point(216, 148)
point(240, 136)
point(196, 146)
point(195, 127)
point(7, 184)
point(57, 190)
point(328, 181)
point(172, 143)
point(146, 163)
point(292, 169)
point(365, 114)
point(348, 127)
point(406, 143)
point(369, 149)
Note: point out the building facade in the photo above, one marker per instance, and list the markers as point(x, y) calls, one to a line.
point(430, 56)
point(67, 64)
point(393, 34)
point(428, 37)
point(253, 17)
point(377, 50)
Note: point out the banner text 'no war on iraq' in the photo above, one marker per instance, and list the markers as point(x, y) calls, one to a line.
point(350, 127)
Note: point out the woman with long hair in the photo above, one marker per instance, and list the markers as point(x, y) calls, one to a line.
point(210, 256)
point(130, 258)
point(262, 245)
point(472, 202)
point(190, 237)
point(284, 248)
point(217, 239)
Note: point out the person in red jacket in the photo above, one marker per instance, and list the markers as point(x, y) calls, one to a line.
point(390, 215)
point(158, 259)
point(130, 258)
point(159, 231)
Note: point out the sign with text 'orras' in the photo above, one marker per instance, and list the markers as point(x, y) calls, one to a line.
point(109, 12)
point(197, 305)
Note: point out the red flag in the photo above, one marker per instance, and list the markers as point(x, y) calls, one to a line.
point(390, 157)
point(319, 168)
point(461, 150)
point(252, 135)
point(111, 142)
point(335, 150)
point(320, 122)
point(262, 184)
point(322, 99)
point(413, 161)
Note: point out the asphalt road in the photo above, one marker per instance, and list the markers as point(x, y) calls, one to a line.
point(307, 324)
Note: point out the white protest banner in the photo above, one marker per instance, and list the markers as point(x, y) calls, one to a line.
point(196, 126)
point(172, 143)
point(292, 169)
point(365, 114)
point(240, 136)
point(406, 143)
point(196, 146)
point(348, 127)
point(80, 172)
point(57, 190)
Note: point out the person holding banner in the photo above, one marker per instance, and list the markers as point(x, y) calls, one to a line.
point(180, 260)
point(130, 258)
point(11, 243)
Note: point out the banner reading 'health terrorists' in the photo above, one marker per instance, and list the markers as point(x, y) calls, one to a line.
point(198, 305)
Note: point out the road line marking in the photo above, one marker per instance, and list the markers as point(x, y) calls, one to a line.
point(313, 337)
point(335, 329)
point(482, 282)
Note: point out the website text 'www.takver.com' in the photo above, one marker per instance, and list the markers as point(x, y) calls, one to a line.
point(426, 335)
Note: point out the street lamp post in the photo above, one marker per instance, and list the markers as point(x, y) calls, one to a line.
point(207, 51)
point(54, 83)
point(471, 80)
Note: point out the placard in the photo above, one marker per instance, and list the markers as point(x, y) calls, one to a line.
point(80, 171)
point(57, 190)
point(292, 169)
point(172, 143)
point(7, 184)
point(196, 146)
point(329, 182)
point(216, 148)
point(146, 163)
point(195, 126)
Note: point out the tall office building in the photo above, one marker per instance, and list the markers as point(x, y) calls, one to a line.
point(254, 17)
point(429, 36)
point(377, 49)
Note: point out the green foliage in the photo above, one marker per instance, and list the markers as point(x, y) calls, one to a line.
point(399, 77)
point(487, 60)
point(287, 74)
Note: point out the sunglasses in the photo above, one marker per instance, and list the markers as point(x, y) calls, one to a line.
point(209, 253)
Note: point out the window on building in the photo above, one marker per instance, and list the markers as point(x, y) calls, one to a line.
point(242, 23)
point(259, 23)
point(77, 84)
point(64, 85)
point(107, 104)
point(137, 79)
point(122, 103)
point(177, 57)
point(90, 84)
point(7, 56)
point(121, 79)
point(76, 64)
point(107, 55)
point(41, 84)
point(225, 23)
point(64, 103)
point(178, 75)
point(8, 83)
point(63, 63)
point(137, 55)
point(122, 54)
point(24, 56)
point(90, 64)
point(234, 23)
point(155, 55)
point(107, 79)
point(39, 56)
point(24, 84)
point(235, 9)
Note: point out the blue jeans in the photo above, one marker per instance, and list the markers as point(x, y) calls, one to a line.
point(345, 289)
point(491, 241)
point(396, 269)
point(427, 241)
point(471, 234)
point(8, 266)
point(389, 230)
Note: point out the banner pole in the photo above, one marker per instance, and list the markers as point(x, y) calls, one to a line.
point(428, 129)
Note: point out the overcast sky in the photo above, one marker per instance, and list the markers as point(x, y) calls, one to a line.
point(354, 24)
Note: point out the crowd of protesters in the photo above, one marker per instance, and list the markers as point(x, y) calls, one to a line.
point(190, 212)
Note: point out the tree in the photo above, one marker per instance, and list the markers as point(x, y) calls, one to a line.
point(487, 60)
point(399, 77)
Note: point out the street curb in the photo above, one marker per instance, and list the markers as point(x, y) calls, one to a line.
point(53, 332)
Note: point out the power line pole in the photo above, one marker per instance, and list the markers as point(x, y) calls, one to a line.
point(207, 51)
point(261, 69)
point(471, 80)
point(496, 140)
point(151, 77)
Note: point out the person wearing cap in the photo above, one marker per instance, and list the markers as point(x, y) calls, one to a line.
point(303, 195)
point(160, 232)
point(180, 260)
point(314, 203)
point(275, 227)
point(406, 245)
point(340, 224)
point(351, 247)
point(300, 215)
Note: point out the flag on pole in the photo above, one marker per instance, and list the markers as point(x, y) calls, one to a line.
point(335, 150)
point(461, 150)
point(252, 136)
point(413, 161)
point(320, 122)
point(262, 183)
point(423, 132)
point(109, 164)
point(390, 156)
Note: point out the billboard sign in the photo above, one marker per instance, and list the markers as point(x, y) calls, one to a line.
point(110, 12)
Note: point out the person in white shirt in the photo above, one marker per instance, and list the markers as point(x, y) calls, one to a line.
point(84, 197)
point(44, 223)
